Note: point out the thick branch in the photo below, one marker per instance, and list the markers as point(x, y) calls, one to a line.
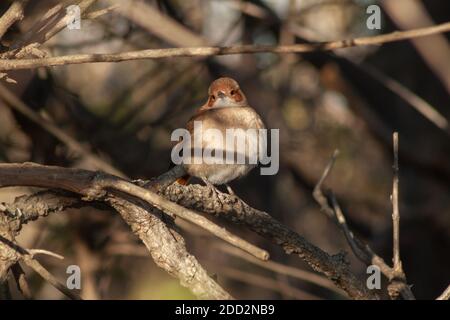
point(97, 186)
point(167, 249)
point(30, 207)
point(165, 245)
point(13, 64)
point(12, 15)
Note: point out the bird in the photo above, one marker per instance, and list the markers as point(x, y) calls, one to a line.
point(225, 108)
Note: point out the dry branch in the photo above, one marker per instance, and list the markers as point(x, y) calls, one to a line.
point(334, 267)
point(398, 281)
point(361, 250)
point(445, 295)
point(44, 273)
point(165, 245)
point(266, 283)
point(395, 210)
point(48, 26)
point(21, 281)
point(21, 254)
point(13, 64)
point(282, 269)
point(12, 15)
point(99, 186)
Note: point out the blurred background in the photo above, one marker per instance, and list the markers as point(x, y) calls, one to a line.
point(118, 117)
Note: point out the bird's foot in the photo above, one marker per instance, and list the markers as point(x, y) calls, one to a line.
point(214, 191)
point(240, 201)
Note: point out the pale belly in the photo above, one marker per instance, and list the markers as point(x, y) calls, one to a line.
point(223, 172)
point(219, 174)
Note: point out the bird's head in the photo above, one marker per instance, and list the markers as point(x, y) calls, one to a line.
point(225, 92)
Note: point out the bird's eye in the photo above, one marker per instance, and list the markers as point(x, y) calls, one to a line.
point(232, 92)
point(213, 98)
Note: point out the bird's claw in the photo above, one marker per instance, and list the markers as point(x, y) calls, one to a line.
point(214, 191)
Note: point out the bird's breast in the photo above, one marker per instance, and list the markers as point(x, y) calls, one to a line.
point(227, 140)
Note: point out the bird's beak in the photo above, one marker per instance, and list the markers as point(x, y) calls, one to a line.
point(221, 95)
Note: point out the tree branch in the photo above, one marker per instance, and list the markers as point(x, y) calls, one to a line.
point(167, 248)
point(334, 267)
point(165, 245)
point(395, 210)
point(12, 15)
point(95, 185)
point(445, 295)
point(361, 250)
point(14, 64)
point(44, 273)
point(99, 186)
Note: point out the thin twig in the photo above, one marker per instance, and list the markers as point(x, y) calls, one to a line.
point(98, 13)
point(317, 192)
point(28, 259)
point(39, 269)
point(282, 269)
point(398, 278)
point(334, 212)
point(353, 242)
point(419, 104)
point(395, 211)
point(34, 252)
point(361, 250)
point(445, 295)
point(14, 64)
point(17, 104)
point(55, 20)
point(266, 283)
point(21, 280)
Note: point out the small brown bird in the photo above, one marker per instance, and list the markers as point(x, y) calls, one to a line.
point(226, 108)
